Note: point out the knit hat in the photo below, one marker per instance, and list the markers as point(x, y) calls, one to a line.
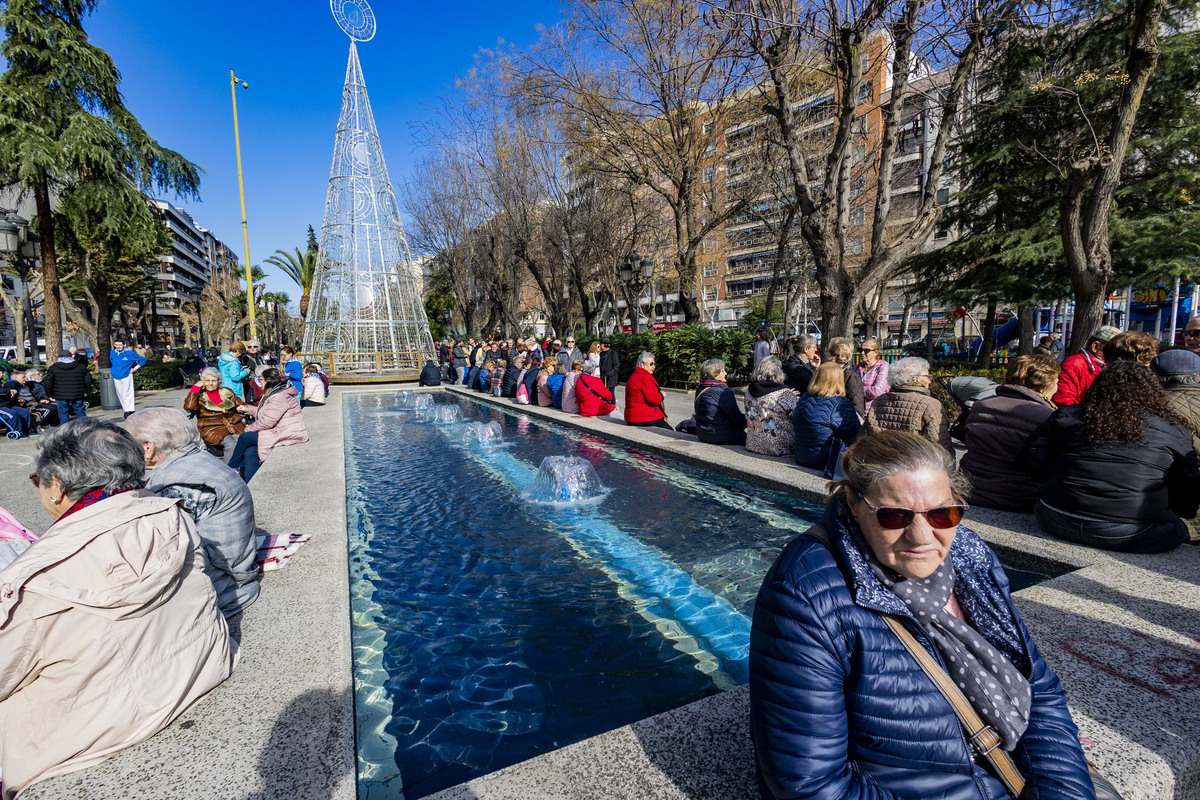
point(1176, 362)
point(1105, 333)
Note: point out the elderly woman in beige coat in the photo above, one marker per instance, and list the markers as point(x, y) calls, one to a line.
point(909, 406)
point(109, 628)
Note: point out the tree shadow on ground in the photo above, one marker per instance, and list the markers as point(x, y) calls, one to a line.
point(308, 756)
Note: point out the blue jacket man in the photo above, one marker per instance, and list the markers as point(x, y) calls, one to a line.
point(123, 362)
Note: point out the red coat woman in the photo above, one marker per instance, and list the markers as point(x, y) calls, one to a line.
point(643, 398)
point(595, 399)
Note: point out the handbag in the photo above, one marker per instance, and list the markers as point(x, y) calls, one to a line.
point(982, 737)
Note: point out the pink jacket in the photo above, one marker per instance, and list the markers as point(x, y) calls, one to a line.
point(278, 420)
point(876, 381)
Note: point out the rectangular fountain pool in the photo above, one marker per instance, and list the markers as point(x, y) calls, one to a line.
point(495, 619)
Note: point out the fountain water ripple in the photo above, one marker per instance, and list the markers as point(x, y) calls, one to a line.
point(445, 413)
point(483, 434)
point(569, 480)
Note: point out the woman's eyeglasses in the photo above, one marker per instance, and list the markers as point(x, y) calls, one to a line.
point(897, 518)
point(35, 480)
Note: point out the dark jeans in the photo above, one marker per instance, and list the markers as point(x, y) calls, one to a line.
point(245, 455)
point(722, 437)
point(19, 418)
point(1124, 537)
point(654, 423)
point(77, 408)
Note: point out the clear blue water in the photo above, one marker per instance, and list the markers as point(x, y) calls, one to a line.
point(489, 629)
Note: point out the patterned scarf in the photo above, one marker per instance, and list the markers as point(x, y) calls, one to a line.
point(89, 499)
point(996, 689)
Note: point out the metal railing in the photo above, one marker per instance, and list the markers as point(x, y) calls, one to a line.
point(370, 364)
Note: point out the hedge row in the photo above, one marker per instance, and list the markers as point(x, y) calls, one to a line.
point(159, 375)
point(679, 352)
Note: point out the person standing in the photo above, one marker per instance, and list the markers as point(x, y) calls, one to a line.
point(762, 347)
point(569, 353)
point(610, 364)
point(233, 374)
point(123, 364)
point(67, 383)
point(1079, 370)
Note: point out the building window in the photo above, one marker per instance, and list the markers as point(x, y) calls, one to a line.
point(854, 245)
point(710, 174)
point(864, 92)
point(858, 186)
point(858, 216)
point(710, 293)
point(710, 270)
point(943, 196)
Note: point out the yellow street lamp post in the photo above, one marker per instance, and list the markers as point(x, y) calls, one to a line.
point(237, 143)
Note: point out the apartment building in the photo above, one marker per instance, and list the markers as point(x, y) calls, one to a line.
point(738, 257)
point(196, 257)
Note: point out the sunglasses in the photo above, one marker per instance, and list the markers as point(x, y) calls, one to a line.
point(35, 480)
point(899, 518)
point(1193, 332)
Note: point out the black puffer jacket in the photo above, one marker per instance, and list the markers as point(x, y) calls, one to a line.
point(798, 373)
point(67, 380)
point(430, 375)
point(1145, 482)
point(718, 418)
point(996, 430)
point(508, 388)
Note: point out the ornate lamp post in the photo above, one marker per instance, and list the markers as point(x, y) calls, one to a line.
point(636, 273)
point(18, 245)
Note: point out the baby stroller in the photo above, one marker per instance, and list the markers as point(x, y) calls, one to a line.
point(965, 390)
point(11, 424)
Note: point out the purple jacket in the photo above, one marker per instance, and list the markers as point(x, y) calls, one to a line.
point(876, 381)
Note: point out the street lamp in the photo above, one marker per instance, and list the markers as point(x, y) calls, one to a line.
point(636, 273)
point(237, 144)
point(19, 247)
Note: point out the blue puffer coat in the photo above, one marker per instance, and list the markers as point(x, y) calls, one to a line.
point(817, 423)
point(839, 709)
point(718, 418)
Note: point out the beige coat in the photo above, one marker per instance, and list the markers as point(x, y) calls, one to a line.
point(910, 408)
point(109, 629)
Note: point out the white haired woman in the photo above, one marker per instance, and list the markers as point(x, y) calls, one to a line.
point(769, 407)
point(909, 406)
point(718, 418)
point(218, 501)
point(109, 628)
point(215, 408)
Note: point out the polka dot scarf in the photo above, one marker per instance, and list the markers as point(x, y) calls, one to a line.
point(996, 689)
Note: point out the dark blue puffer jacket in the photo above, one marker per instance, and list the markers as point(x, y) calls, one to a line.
point(817, 423)
point(839, 709)
point(718, 418)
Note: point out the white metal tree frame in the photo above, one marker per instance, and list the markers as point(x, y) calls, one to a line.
point(366, 316)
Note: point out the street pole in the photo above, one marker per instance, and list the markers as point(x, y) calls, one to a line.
point(237, 144)
point(1174, 311)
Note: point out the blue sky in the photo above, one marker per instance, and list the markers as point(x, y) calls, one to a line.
point(174, 59)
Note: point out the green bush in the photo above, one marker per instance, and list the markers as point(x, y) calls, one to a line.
point(679, 352)
point(159, 375)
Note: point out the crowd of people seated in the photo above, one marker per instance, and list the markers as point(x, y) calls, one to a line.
point(116, 620)
point(1101, 447)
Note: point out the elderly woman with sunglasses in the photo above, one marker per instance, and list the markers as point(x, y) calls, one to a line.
point(839, 707)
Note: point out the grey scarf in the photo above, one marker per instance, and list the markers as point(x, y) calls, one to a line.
point(996, 689)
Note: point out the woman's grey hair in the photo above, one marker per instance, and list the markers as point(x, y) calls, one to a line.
point(711, 368)
point(643, 358)
point(32, 374)
point(591, 369)
point(167, 428)
point(885, 454)
point(770, 369)
point(906, 371)
point(216, 373)
point(86, 454)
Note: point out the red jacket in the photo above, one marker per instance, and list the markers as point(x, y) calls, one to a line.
point(643, 400)
point(594, 397)
point(1078, 372)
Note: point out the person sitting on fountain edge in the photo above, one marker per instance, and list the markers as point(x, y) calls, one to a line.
point(595, 399)
point(430, 374)
point(643, 399)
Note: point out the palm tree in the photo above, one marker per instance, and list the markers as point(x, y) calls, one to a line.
point(301, 268)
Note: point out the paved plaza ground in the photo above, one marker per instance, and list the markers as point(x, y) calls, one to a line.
point(1121, 630)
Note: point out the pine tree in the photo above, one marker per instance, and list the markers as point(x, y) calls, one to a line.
point(62, 118)
point(313, 246)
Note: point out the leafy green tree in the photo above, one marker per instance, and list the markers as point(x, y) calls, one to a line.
point(313, 246)
point(109, 257)
point(62, 119)
point(1045, 101)
point(301, 268)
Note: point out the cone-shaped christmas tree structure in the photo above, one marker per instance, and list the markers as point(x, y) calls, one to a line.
point(366, 319)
